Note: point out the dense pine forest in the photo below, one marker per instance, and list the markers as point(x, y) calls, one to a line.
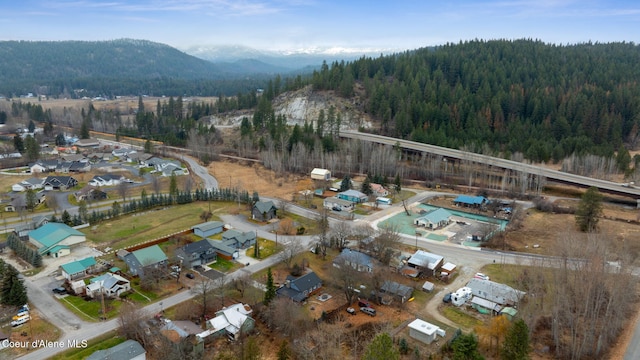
point(110, 68)
point(545, 101)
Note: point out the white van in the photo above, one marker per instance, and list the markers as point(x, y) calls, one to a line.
point(20, 314)
point(369, 311)
point(20, 321)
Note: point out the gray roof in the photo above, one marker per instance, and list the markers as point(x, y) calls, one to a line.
point(353, 193)
point(354, 257)
point(197, 247)
point(124, 351)
point(227, 250)
point(496, 292)
point(298, 286)
point(264, 206)
point(207, 226)
point(395, 288)
point(425, 259)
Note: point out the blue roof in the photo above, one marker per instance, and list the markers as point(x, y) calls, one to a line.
point(75, 267)
point(471, 200)
point(52, 233)
point(437, 216)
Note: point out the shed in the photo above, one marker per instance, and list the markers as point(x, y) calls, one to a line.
point(509, 312)
point(321, 174)
point(128, 350)
point(485, 306)
point(207, 229)
point(428, 286)
point(424, 331)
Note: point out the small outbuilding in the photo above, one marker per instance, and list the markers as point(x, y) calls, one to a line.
point(321, 174)
point(428, 286)
point(424, 331)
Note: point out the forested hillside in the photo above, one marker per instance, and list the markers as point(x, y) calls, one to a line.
point(545, 101)
point(109, 68)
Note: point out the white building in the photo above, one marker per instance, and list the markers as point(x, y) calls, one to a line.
point(424, 331)
point(321, 174)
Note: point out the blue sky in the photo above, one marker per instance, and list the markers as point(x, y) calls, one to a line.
point(306, 24)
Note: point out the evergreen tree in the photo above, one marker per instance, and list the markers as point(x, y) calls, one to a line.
point(346, 183)
point(30, 199)
point(82, 211)
point(516, 342)
point(66, 217)
point(12, 290)
point(397, 184)
point(589, 210)
point(381, 348)
point(465, 347)
point(60, 140)
point(31, 148)
point(84, 128)
point(270, 294)
point(173, 185)
point(18, 143)
point(366, 186)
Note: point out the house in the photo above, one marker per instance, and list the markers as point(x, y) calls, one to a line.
point(20, 200)
point(80, 166)
point(87, 143)
point(173, 169)
point(396, 290)
point(230, 321)
point(55, 239)
point(379, 190)
point(28, 184)
point(166, 167)
point(109, 284)
point(121, 152)
point(208, 229)
point(300, 288)
point(138, 158)
point(90, 193)
point(72, 157)
point(357, 260)
point(320, 174)
point(424, 331)
point(470, 201)
point(224, 251)
point(264, 211)
point(354, 196)
point(197, 253)
point(106, 180)
point(238, 240)
point(128, 350)
point(59, 182)
point(145, 258)
point(337, 204)
point(498, 293)
point(425, 262)
point(78, 269)
point(44, 166)
point(435, 219)
point(24, 229)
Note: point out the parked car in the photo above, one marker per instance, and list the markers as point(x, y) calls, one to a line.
point(363, 303)
point(481, 276)
point(190, 275)
point(447, 298)
point(60, 290)
point(20, 321)
point(351, 310)
point(336, 208)
point(369, 311)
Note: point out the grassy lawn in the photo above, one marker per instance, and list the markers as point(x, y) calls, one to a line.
point(103, 342)
point(459, 317)
point(503, 273)
point(33, 271)
point(36, 329)
point(90, 310)
point(267, 248)
point(130, 230)
point(225, 266)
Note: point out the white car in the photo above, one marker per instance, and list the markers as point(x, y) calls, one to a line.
point(481, 276)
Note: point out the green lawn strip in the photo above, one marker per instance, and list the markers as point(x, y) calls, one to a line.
point(102, 342)
point(266, 247)
point(92, 309)
point(151, 224)
point(459, 317)
point(222, 265)
point(33, 271)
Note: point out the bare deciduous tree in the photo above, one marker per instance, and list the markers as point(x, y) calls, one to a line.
point(340, 232)
point(52, 203)
point(156, 185)
point(131, 320)
point(204, 293)
point(289, 251)
point(386, 242)
point(123, 190)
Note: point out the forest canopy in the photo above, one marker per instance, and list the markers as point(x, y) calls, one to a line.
point(545, 101)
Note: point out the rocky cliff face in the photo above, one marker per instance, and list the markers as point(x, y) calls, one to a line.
point(304, 106)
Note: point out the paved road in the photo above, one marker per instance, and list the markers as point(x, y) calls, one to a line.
point(210, 182)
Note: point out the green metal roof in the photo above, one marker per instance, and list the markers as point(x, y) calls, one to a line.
point(75, 267)
point(52, 249)
point(150, 255)
point(52, 233)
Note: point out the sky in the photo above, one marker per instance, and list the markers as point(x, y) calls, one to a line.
point(296, 25)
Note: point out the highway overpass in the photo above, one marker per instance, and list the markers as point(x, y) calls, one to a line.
point(555, 175)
